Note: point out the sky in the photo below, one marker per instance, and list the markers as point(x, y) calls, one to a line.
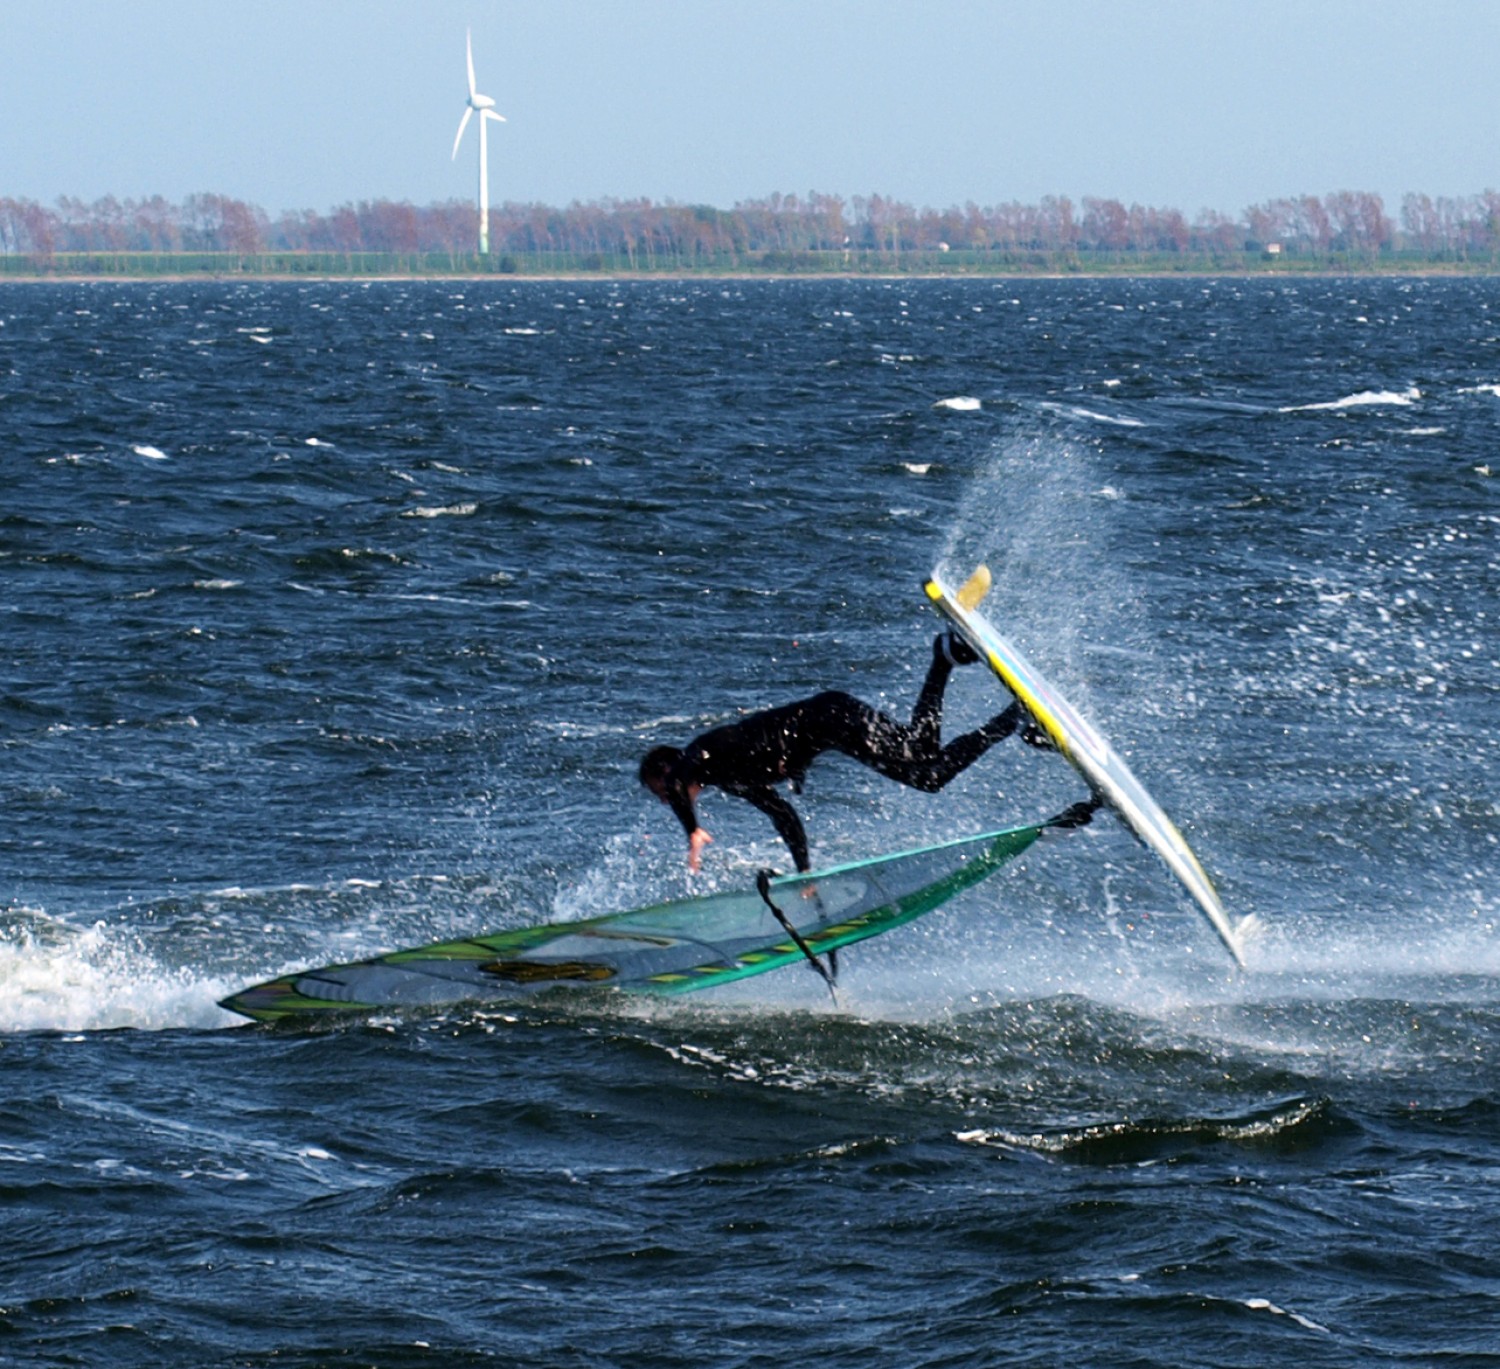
point(1185, 104)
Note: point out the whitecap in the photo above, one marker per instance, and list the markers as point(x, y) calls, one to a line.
point(442, 511)
point(153, 453)
point(959, 404)
point(1264, 1305)
point(1363, 400)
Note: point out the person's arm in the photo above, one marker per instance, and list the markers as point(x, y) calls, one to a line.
point(784, 818)
point(682, 805)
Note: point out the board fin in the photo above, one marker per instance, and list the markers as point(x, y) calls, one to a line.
point(974, 589)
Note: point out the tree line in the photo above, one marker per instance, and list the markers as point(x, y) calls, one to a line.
point(1350, 226)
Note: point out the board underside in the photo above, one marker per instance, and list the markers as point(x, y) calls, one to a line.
point(670, 948)
point(1083, 746)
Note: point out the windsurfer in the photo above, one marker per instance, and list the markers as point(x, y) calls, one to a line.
point(749, 758)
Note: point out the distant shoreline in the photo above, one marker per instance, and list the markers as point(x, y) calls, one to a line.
point(1324, 271)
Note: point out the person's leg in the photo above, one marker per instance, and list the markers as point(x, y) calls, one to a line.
point(963, 751)
point(948, 650)
point(910, 755)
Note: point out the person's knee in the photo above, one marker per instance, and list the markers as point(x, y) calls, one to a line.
point(928, 781)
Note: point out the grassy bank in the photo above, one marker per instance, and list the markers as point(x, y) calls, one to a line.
point(370, 265)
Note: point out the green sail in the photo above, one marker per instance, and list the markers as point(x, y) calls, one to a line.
point(668, 948)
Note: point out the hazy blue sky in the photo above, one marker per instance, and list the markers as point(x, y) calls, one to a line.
point(1190, 104)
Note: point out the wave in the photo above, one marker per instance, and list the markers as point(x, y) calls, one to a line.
point(1295, 1122)
point(1078, 412)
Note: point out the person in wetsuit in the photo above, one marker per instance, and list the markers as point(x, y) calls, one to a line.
point(750, 757)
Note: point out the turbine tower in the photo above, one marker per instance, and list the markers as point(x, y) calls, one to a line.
point(485, 108)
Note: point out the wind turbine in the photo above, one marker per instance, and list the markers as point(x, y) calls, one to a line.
point(485, 108)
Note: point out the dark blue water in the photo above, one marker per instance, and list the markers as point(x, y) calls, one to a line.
point(336, 619)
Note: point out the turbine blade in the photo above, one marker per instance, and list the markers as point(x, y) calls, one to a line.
point(462, 124)
point(469, 44)
point(490, 114)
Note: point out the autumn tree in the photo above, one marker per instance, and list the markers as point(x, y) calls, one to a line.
point(1105, 225)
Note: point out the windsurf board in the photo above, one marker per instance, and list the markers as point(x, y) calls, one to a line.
point(1082, 744)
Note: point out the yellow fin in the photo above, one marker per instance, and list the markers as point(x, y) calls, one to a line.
point(974, 588)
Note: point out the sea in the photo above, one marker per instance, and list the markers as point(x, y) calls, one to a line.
point(337, 616)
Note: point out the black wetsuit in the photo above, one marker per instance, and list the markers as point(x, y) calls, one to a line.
point(750, 757)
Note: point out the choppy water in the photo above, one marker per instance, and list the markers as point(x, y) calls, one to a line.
point(336, 618)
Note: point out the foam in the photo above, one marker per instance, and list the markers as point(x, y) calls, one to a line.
point(58, 978)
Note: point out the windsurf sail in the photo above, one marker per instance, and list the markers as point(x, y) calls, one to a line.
point(669, 948)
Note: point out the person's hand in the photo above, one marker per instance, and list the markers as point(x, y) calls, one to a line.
point(696, 843)
point(1078, 814)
